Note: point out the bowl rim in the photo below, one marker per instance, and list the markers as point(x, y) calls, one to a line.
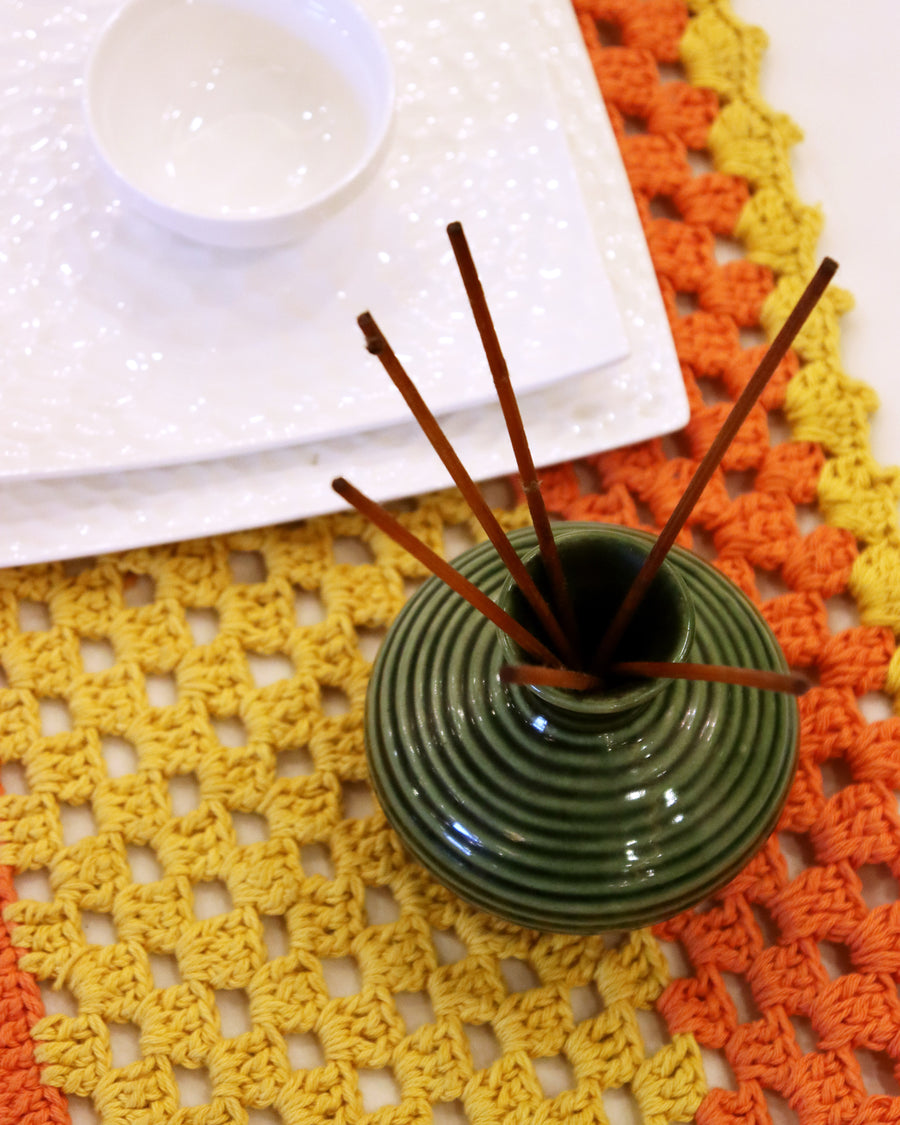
point(189, 220)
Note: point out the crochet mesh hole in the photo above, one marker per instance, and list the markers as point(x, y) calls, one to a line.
point(120, 757)
point(836, 775)
point(718, 1072)
point(162, 691)
point(798, 853)
point(248, 567)
point(34, 617)
point(275, 936)
point(878, 1073)
point(54, 715)
point(876, 706)
point(250, 828)
point(264, 1117)
point(554, 1074)
point(841, 612)
point(700, 162)
point(381, 906)
point(742, 997)
point(483, 1045)
point(211, 899)
point(138, 590)
point(779, 1110)
point(804, 1034)
point(294, 763)
point(676, 958)
point(415, 1009)
point(82, 1111)
point(703, 544)
point(357, 800)
point(230, 732)
point(234, 1012)
point(586, 1001)
point(458, 537)
point(77, 823)
point(686, 304)
point(144, 864)
point(334, 701)
point(662, 207)
point(58, 1001)
point(621, 1107)
point(309, 608)
point(164, 970)
point(448, 946)
point(348, 549)
point(767, 925)
point(369, 642)
point(727, 250)
point(315, 859)
point(204, 624)
point(194, 1086)
point(124, 1044)
point(654, 1030)
point(304, 1051)
point(609, 33)
point(342, 976)
point(267, 670)
point(96, 655)
point(13, 779)
point(671, 72)
point(34, 885)
point(879, 885)
point(633, 126)
point(836, 959)
point(378, 1088)
point(518, 975)
point(184, 793)
point(449, 1113)
point(98, 929)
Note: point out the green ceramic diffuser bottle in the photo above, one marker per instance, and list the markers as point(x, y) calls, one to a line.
point(569, 811)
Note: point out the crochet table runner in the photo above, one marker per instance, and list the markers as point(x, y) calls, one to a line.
point(182, 726)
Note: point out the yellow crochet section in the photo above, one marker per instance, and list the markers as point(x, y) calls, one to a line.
point(239, 863)
point(823, 404)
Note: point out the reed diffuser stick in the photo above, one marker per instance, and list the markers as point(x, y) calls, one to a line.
point(377, 344)
point(519, 439)
point(444, 571)
point(539, 676)
point(710, 462)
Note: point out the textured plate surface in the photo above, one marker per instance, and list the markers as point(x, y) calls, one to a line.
point(638, 397)
point(127, 346)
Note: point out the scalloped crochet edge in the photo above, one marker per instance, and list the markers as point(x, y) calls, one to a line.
point(779, 230)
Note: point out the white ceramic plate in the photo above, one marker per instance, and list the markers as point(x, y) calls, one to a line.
point(126, 346)
point(635, 398)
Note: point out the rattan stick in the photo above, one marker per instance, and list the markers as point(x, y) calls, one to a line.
point(377, 344)
point(710, 462)
point(536, 675)
point(519, 439)
point(444, 571)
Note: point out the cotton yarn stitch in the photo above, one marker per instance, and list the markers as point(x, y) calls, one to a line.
point(287, 666)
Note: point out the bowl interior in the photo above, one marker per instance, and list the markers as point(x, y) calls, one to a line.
point(238, 108)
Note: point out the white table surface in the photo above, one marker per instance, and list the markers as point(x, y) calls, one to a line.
point(838, 77)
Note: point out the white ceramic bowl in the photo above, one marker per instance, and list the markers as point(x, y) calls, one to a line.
point(238, 122)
